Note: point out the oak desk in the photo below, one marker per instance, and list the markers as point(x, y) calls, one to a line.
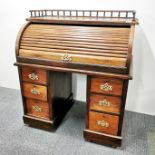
point(53, 44)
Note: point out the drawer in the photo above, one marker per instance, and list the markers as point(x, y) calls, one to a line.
point(34, 75)
point(35, 91)
point(106, 86)
point(104, 123)
point(105, 103)
point(37, 108)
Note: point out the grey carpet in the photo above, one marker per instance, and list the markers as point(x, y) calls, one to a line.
point(19, 139)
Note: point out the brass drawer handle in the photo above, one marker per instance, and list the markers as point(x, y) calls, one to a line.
point(106, 87)
point(33, 76)
point(36, 108)
point(35, 91)
point(104, 103)
point(66, 58)
point(103, 123)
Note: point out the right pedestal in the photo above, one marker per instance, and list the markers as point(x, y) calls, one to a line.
point(106, 98)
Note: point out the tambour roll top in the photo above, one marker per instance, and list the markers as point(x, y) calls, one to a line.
point(48, 39)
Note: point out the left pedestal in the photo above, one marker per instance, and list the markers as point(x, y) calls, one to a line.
point(46, 96)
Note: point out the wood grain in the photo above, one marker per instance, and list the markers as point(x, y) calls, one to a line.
point(28, 63)
point(112, 104)
point(116, 85)
point(113, 121)
point(27, 88)
point(41, 74)
point(98, 47)
point(43, 111)
point(87, 45)
point(102, 138)
point(85, 59)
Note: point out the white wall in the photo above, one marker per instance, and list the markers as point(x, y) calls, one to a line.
point(141, 95)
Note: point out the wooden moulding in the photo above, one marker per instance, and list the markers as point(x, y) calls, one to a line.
point(80, 22)
point(101, 138)
point(38, 122)
point(64, 69)
point(79, 66)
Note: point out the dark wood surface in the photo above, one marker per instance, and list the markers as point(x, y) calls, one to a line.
point(83, 71)
point(52, 45)
point(124, 95)
point(102, 138)
point(39, 122)
point(60, 92)
point(76, 67)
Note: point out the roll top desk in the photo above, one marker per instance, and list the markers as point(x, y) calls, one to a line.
point(55, 43)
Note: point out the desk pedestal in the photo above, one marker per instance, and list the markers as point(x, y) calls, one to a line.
point(46, 96)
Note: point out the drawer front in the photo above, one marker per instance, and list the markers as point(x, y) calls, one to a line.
point(104, 123)
point(37, 108)
point(105, 103)
point(34, 75)
point(35, 91)
point(107, 86)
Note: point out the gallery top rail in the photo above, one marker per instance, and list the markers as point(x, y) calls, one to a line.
point(123, 14)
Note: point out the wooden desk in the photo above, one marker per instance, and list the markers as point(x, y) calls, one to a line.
point(55, 43)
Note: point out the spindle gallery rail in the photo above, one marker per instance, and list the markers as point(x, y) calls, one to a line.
point(127, 14)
